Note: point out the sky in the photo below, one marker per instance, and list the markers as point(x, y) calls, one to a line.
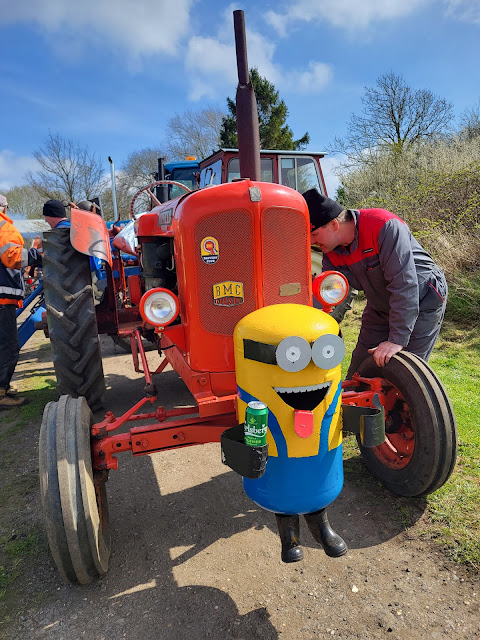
point(110, 74)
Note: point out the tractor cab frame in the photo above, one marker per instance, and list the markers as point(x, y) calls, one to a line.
point(299, 170)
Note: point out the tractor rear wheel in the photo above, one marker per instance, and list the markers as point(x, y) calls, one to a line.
point(73, 496)
point(420, 449)
point(71, 318)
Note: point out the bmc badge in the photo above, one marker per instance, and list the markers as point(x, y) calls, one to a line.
point(228, 294)
point(209, 249)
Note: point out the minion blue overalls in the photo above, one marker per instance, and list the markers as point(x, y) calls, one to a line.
point(289, 357)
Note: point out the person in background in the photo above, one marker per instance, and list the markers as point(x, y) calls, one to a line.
point(13, 258)
point(406, 291)
point(54, 213)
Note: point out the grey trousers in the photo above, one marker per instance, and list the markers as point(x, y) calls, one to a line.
point(375, 329)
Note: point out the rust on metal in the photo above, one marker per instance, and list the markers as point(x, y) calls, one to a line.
point(89, 235)
point(247, 114)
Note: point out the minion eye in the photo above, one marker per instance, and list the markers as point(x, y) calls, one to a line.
point(328, 351)
point(293, 354)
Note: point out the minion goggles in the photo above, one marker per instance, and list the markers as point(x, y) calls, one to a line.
point(294, 353)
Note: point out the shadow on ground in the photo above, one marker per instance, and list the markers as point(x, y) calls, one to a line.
point(159, 527)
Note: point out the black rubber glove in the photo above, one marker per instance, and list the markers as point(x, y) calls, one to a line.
point(34, 258)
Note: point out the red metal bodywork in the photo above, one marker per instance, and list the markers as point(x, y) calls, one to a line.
point(251, 235)
point(248, 234)
point(89, 235)
point(261, 235)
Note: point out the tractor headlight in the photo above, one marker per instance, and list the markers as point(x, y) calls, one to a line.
point(159, 307)
point(330, 288)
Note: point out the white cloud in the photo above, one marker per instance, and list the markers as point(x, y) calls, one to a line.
point(464, 10)
point(13, 168)
point(348, 14)
point(311, 81)
point(212, 69)
point(330, 166)
point(210, 66)
point(142, 27)
point(211, 63)
point(261, 52)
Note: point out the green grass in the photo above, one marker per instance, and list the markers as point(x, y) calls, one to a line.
point(41, 391)
point(18, 547)
point(454, 520)
point(20, 539)
point(14, 554)
point(454, 507)
point(463, 303)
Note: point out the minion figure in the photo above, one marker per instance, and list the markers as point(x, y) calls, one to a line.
point(288, 356)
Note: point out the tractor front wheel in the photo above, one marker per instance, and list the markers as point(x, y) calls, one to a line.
point(420, 449)
point(71, 318)
point(73, 496)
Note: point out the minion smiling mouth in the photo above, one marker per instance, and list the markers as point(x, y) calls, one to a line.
point(303, 398)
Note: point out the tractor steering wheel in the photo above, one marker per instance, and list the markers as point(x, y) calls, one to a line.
point(153, 197)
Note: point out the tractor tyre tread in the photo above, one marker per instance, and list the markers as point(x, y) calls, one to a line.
point(450, 434)
point(71, 319)
point(434, 427)
point(76, 523)
point(50, 494)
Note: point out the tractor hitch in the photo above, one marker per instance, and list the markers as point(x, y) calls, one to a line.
point(363, 410)
point(368, 422)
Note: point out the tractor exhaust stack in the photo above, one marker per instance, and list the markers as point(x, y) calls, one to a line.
point(114, 190)
point(247, 114)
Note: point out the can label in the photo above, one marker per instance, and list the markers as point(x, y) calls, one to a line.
point(256, 423)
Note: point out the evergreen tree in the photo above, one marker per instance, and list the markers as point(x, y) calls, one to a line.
point(272, 116)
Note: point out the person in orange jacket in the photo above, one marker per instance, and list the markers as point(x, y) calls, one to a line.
point(13, 258)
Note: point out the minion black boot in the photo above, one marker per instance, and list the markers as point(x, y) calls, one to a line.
point(289, 531)
point(333, 545)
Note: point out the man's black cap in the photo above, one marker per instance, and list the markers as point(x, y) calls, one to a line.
point(321, 208)
point(54, 209)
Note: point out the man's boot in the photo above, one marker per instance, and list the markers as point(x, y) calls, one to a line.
point(289, 531)
point(333, 545)
point(10, 402)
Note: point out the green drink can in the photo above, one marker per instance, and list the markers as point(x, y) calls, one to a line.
point(256, 422)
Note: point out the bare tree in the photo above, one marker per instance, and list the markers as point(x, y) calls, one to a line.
point(394, 117)
point(137, 171)
point(67, 170)
point(195, 133)
point(470, 122)
point(140, 167)
point(25, 200)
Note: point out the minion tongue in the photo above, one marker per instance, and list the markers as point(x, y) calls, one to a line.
point(303, 423)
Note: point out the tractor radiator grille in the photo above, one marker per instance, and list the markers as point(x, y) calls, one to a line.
point(234, 233)
point(284, 256)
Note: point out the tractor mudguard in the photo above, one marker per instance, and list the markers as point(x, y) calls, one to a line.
point(89, 235)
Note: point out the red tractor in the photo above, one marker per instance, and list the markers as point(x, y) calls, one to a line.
point(208, 258)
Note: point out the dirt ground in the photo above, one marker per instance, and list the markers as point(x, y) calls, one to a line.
point(193, 557)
